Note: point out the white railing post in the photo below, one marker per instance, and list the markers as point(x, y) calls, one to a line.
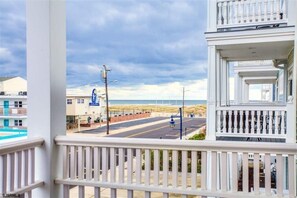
point(212, 16)
point(236, 12)
point(229, 121)
point(252, 121)
point(224, 121)
point(220, 15)
point(225, 16)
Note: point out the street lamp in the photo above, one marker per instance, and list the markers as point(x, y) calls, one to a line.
point(172, 122)
point(104, 76)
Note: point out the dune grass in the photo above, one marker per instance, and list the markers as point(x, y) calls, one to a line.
point(199, 110)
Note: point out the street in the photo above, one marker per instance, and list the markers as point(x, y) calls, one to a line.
point(160, 130)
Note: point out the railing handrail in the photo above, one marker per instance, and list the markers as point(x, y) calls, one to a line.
point(264, 107)
point(223, 146)
point(20, 145)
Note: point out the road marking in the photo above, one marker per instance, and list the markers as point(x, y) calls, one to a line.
point(129, 136)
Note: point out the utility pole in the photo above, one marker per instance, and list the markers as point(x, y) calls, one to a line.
point(183, 101)
point(104, 76)
point(180, 124)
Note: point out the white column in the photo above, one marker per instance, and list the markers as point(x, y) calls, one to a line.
point(285, 84)
point(211, 93)
point(291, 105)
point(228, 83)
point(223, 84)
point(245, 92)
point(237, 88)
point(46, 74)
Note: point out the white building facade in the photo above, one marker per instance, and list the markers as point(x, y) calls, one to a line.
point(13, 103)
point(81, 109)
point(252, 43)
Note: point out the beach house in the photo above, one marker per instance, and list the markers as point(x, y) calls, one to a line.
point(253, 38)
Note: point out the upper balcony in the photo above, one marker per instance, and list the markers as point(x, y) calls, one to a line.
point(15, 112)
point(230, 15)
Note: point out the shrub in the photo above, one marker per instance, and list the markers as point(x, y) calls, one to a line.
point(200, 136)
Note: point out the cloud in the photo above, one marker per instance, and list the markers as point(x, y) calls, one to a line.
point(195, 89)
point(5, 54)
point(145, 43)
point(12, 38)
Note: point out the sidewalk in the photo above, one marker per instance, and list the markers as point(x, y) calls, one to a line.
point(114, 131)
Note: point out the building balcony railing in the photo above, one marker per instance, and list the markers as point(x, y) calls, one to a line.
point(252, 121)
point(204, 168)
point(239, 13)
point(17, 167)
point(13, 111)
point(222, 169)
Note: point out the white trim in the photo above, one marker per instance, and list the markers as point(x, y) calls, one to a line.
point(220, 146)
point(251, 36)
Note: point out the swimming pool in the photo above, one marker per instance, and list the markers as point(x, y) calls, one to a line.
point(9, 133)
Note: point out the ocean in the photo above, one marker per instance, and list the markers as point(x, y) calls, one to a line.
point(156, 102)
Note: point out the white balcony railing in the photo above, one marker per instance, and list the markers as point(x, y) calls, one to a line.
point(200, 168)
point(252, 121)
point(17, 167)
point(236, 13)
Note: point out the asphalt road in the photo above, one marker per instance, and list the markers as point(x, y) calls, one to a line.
point(124, 125)
point(163, 130)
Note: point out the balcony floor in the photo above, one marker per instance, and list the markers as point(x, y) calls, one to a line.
point(251, 139)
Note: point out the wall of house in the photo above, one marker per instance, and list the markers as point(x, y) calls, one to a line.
point(14, 85)
point(83, 108)
point(11, 122)
point(12, 101)
point(70, 108)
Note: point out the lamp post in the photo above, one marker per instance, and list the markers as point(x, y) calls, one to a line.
point(172, 122)
point(183, 101)
point(104, 76)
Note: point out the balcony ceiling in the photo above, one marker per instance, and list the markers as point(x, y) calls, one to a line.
point(256, 51)
point(261, 81)
point(259, 73)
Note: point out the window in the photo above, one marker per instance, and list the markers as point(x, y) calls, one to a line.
point(18, 122)
point(18, 104)
point(80, 101)
point(69, 101)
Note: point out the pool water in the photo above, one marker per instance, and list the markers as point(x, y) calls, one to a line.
point(9, 133)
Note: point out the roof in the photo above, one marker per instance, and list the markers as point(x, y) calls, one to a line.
point(77, 96)
point(6, 78)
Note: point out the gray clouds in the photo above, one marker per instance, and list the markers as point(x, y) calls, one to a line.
point(142, 41)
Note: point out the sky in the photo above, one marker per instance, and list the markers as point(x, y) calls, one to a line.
point(153, 47)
